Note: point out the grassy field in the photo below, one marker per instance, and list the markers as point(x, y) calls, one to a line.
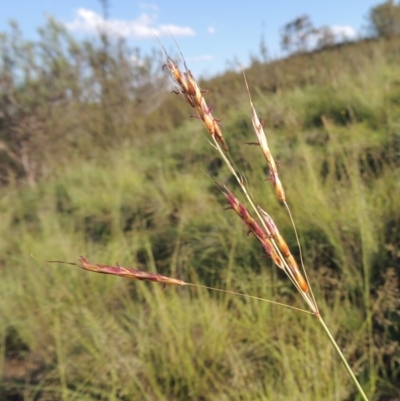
point(67, 334)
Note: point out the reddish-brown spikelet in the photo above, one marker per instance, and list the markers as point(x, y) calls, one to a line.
point(294, 267)
point(253, 227)
point(302, 282)
point(280, 193)
point(127, 272)
point(278, 261)
point(244, 215)
point(193, 88)
point(208, 122)
point(177, 75)
point(194, 96)
point(267, 245)
point(272, 228)
point(284, 248)
point(274, 233)
point(218, 135)
point(282, 245)
point(292, 261)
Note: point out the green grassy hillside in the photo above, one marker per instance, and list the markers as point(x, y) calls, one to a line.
point(147, 199)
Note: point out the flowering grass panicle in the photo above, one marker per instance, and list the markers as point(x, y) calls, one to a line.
point(188, 88)
point(267, 233)
point(121, 271)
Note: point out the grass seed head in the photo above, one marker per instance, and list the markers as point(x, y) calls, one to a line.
point(301, 281)
point(280, 193)
point(262, 140)
point(253, 226)
point(177, 75)
point(192, 93)
point(193, 89)
point(127, 272)
point(284, 249)
point(218, 135)
point(277, 260)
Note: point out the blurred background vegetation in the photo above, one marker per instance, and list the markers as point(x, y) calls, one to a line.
point(99, 158)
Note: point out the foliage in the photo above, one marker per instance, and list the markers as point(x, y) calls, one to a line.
point(296, 34)
point(300, 35)
point(59, 97)
point(384, 19)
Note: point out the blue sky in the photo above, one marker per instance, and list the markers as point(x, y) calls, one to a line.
point(210, 32)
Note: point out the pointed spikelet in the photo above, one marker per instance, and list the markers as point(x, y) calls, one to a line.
point(280, 193)
point(190, 90)
point(284, 249)
point(262, 140)
point(218, 135)
point(253, 227)
point(193, 89)
point(127, 272)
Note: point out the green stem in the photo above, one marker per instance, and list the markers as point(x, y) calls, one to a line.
point(346, 365)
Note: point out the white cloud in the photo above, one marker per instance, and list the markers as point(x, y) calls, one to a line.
point(339, 34)
point(211, 29)
point(346, 31)
point(142, 27)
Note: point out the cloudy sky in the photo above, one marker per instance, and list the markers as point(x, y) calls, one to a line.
point(211, 33)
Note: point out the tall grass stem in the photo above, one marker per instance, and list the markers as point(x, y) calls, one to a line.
point(345, 363)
